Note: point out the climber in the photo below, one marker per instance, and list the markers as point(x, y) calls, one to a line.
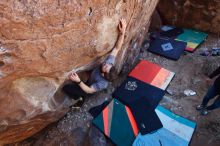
point(100, 76)
point(212, 92)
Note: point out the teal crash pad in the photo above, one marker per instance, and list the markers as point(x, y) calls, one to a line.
point(193, 36)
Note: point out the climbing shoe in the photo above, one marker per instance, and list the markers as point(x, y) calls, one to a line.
point(78, 104)
point(200, 107)
point(204, 112)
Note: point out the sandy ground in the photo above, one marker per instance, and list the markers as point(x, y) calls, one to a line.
point(75, 129)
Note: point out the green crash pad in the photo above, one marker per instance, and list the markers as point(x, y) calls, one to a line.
point(117, 123)
point(193, 36)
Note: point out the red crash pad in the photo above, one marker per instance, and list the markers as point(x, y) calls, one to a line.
point(152, 74)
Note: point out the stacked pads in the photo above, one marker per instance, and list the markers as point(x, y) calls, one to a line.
point(171, 41)
point(134, 117)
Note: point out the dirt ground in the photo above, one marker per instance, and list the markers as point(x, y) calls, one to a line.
point(75, 129)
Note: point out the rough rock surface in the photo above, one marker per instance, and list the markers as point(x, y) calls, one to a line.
point(41, 41)
point(200, 14)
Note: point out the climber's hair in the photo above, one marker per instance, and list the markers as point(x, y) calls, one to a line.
point(112, 75)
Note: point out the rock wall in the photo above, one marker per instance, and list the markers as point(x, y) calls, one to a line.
point(41, 41)
point(199, 14)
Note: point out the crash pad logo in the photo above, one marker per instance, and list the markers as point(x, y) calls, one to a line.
point(167, 47)
point(131, 86)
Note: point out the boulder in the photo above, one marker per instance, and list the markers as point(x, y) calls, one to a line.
point(200, 14)
point(42, 41)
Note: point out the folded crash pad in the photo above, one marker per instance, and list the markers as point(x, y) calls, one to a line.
point(176, 131)
point(145, 116)
point(133, 89)
point(168, 48)
point(152, 74)
point(117, 123)
point(193, 38)
point(172, 33)
point(142, 99)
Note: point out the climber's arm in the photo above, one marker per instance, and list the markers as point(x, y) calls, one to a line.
point(75, 78)
point(121, 27)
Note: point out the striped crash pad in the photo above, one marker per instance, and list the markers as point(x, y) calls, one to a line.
point(176, 131)
point(117, 123)
point(193, 38)
point(169, 48)
point(142, 99)
point(152, 74)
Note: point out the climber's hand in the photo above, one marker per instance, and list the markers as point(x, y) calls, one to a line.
point(74, 77)
point(122, 26)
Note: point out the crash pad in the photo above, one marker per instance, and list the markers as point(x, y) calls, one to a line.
point(193, 38)
point(171, 33)
point(191, 46)
point(117, 123)
point(132, 89)
point(142, 99)
point(145, 116)
point(152, 74)
point(169, 48)
point(176, 131)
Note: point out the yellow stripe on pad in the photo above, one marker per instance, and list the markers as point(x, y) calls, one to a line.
point(192, 45)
